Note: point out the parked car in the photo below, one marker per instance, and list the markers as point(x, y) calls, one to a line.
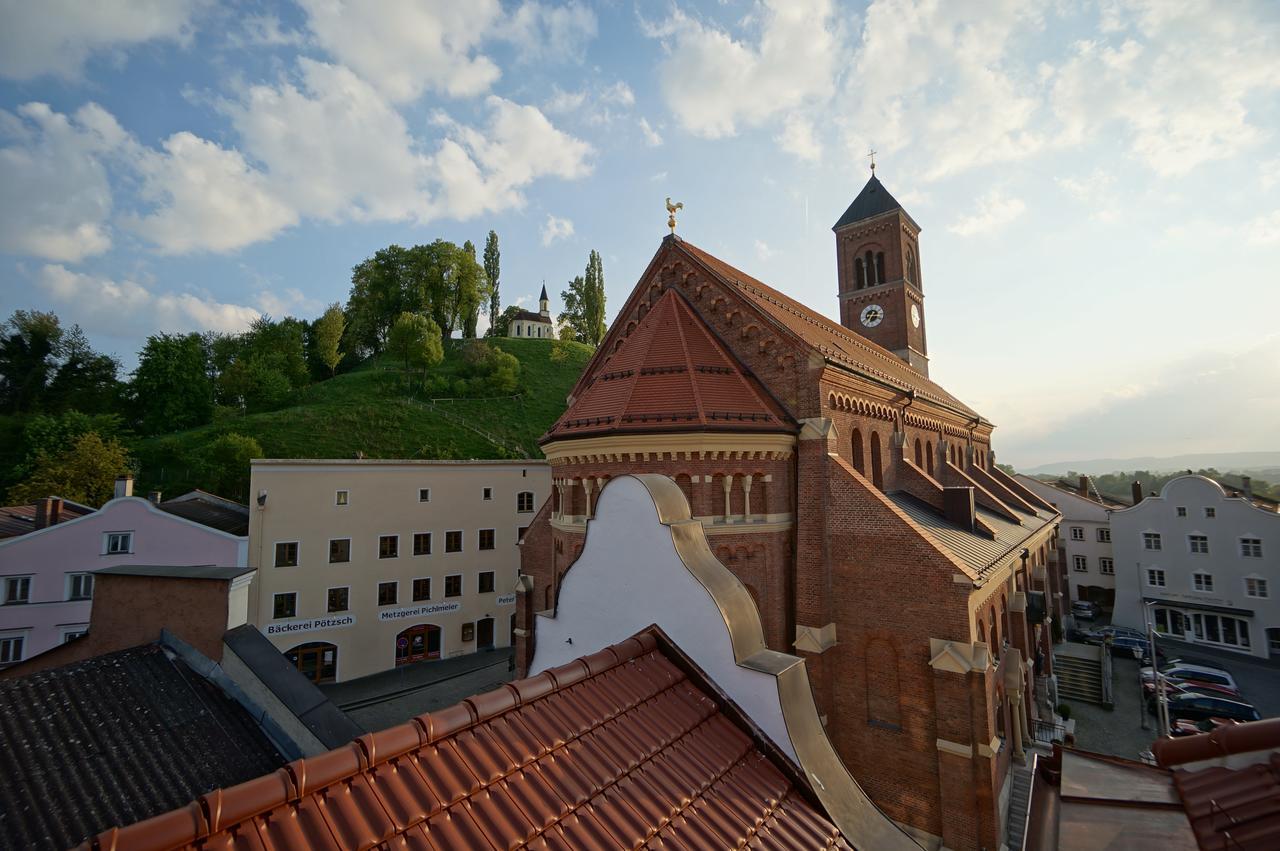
point(1212, 664)
point(1199, 707)
point(1192, 673)
point(1133, 648)
point(1172, 688)
point(1084, 610)
point(1192, 728)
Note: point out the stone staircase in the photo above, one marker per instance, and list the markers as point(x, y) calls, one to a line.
point(1080, 673)
point(1019, 802)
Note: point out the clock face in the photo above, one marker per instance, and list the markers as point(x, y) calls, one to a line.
point(915, 316)
point(872, 315)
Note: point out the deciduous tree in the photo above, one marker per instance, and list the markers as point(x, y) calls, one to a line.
point(327, 335)
point(171, 387)
point(492, 270)
point(83, 472)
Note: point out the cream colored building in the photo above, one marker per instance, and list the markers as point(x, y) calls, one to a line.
point(366, 565)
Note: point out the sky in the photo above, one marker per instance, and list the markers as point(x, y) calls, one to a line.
point(1098, 183)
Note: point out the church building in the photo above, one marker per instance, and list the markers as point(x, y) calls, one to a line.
point(538, 325)
point(858, 502)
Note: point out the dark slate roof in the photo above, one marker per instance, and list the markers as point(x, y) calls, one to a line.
point(530, 316)
point(543, 297)
point(872, 201)
point(299, 695)
point(180, 571)
point(209, 510)
point(20, 519)
point(113, 740)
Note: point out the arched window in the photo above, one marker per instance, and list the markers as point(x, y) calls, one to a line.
point(911, 266)
point(995, 635)
point(877, 476)
point(860, 273)
point(870, 262)
point(919, 453)
point(859, 462)
point(982, 632)
point(880, 277)
point(928, 457)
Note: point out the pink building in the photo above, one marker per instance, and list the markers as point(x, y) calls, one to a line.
point(46, 576)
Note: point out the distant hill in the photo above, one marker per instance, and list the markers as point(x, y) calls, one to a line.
point(1224, 461)
point(367, 411)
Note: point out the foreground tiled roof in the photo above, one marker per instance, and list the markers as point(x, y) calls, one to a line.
point(671, 374)
point(115, 739)
point(614, 750)
point(830, 339)
point(20, 519)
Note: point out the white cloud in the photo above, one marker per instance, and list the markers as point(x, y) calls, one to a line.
point(1270, 173)
point(1264, 230)
point(763, 251)
point(651, 137)
point(405, 48)
point(1095, 190)
point(714, 82)
point(562, 102)
point(264, 31)
point(798, 138)
point(108, 306)
point(555, 229)
point(58, 36)
point(993, 212)
point(543, 33)
point(619, 94)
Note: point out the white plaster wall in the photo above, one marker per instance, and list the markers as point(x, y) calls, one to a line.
point(628, 577)
point(1089, 516)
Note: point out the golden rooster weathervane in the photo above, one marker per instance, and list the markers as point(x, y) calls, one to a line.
point(671, 214)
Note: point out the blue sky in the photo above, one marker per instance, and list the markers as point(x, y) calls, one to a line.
point(1098, 183)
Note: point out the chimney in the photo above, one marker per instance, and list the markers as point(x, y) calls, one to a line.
point(957, 505)
point(44, 507)
point(1136, 490)
point(154, 496)
point(1246, 483)
point(124, 486)
point(1084, 486)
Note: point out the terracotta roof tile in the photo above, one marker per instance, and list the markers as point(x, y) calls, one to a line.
point(622, 748)
point(671, 374)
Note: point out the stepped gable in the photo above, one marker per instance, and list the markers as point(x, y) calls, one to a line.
point(832, 340)
point(671, 374)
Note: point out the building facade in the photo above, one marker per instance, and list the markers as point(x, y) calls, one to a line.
point(856, 500)
point(47, 576)
point(1085, 554)
point(538, 325)
point(366, 565)
point(1203, 564)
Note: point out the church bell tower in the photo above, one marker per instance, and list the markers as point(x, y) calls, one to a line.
point(878, 263)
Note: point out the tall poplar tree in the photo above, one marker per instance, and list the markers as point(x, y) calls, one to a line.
point(492, 264)
point(583, 303)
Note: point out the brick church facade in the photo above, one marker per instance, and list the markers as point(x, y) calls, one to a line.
point(858, 501)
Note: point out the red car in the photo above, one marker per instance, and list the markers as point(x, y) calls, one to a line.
point(1181, 686)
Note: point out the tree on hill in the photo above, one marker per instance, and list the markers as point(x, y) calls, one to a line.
point(28, 351)
point(501, 326)
point(472, 289)
point(83, 472)
point(379, 291)
point(415, 341)
point(223, 464)
point(492, 269)
point(171, 387)
point(584, 303)
point(327, 337)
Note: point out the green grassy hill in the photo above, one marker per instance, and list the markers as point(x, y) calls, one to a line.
point(368, 411)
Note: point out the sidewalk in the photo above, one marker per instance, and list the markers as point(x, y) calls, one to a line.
point(394, 696)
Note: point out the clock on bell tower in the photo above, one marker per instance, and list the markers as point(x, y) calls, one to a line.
point(878, 262)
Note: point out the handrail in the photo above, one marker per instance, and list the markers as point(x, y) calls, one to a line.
point(1031, 792)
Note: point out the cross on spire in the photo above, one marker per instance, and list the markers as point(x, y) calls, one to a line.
point(872, 153)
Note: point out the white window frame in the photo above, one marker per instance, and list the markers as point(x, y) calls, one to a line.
point(1104, 535)
point(1202, 582)
point(520, 496)
point(71, 581)
point(1106, 566)
point(416, 580)
point(1077, 533)
point(106, 543)
point(1182, 511)
point(1261, 584)
point(1253, 543)
point(1152, 537)
point(1210, 512)
point(1151, 577)
point(492, 573)
point(395, 535)
point(346, 588)
point(329, 553)
point(22, 635)
point(342, 497)
point(293, 594)
point(1080, 564)
point(480, 532)
point(462, 537)
point(68, 632)
point(431, 543)
point(424, 494)
point(462, 586)
point(275, 554)
point(1195, 539)
point(396, 601)
point(4, 589)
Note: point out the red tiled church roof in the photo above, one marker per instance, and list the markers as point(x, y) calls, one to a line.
point(671, 374)
point(829, 338)
point(613, 750)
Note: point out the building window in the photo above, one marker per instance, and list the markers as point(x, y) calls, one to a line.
point(17, 590)
point(1080, 564)
point(1077, 533)
point(1182, 511)
point(339, 550)
point(486, 539)
point(1220, 629)
point(421, 589)
point(488, 493)
point(11, 649)
point(339, 599)
point(1151, 540)
point(1104, 536)
point(1202, 581)
point(1255, 586)
point(524, 501)
point(80, 586)
point(422, 543)
point(453, 585)
point(389, 546)
point(1155, 577)
point(520, 533)
point(1210, 513)
point(287, 554)
point(1251, 547)
point(453, 541)
point(72, 633)
point(387, 593)
point(119, 543)
point(284, 605)
point(1199, 543)
point(486, 582)
point(342, 497)
point(1106, 567)
point(424, 494)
